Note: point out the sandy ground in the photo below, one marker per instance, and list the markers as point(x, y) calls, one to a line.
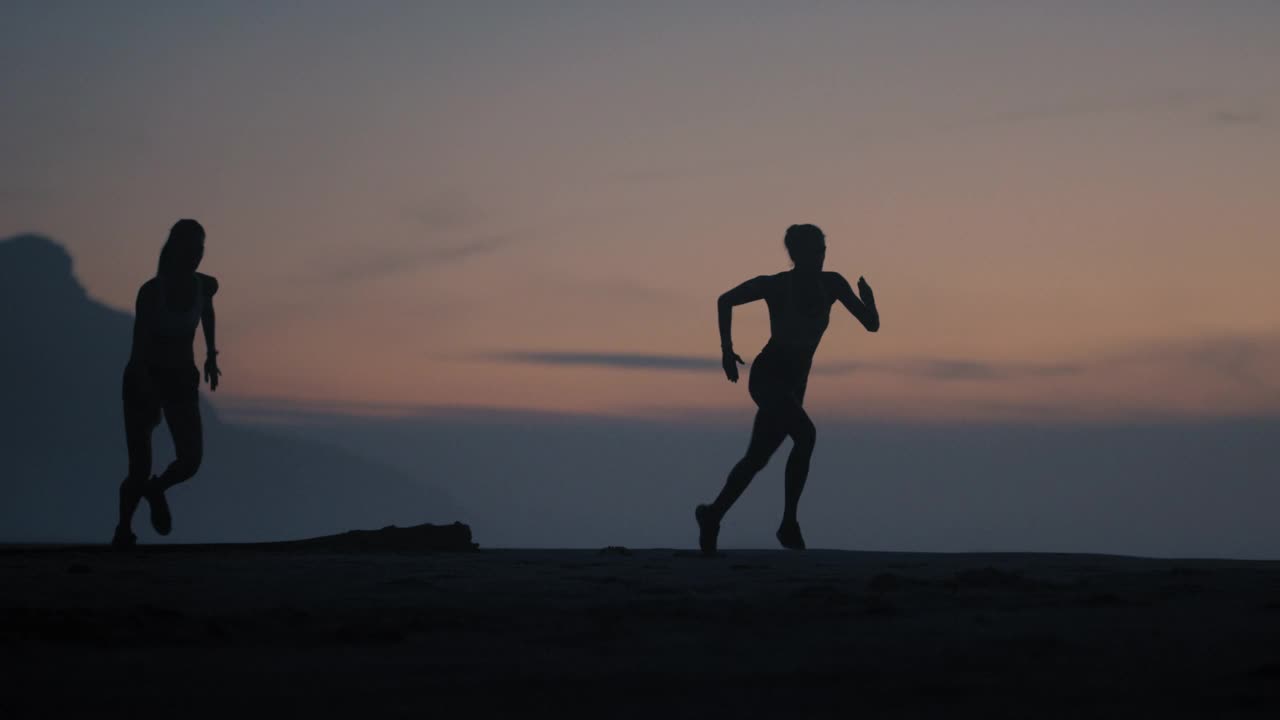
point(207, 631)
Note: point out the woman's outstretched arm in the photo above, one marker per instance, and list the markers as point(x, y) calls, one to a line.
point(749, 291)
point(208, 321)
point(863, 309)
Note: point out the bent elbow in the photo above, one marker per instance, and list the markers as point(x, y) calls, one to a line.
point(724, 302)
point(873, 325)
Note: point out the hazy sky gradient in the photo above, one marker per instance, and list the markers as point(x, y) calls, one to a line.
point(1068, 210)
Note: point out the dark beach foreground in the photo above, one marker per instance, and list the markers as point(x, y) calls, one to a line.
point(325, 631)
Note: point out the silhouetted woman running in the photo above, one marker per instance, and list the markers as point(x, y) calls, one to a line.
point(799, 307)
point(161, 376)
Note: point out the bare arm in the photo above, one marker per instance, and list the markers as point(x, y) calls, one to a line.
point(864, 308)
point(749, 291)
point(208, 321)
point(141, 327)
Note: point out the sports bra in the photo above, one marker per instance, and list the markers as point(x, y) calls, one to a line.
point(177, 324)
point(793, 322)
point(166, 338)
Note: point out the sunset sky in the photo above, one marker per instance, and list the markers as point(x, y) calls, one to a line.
point(1067, 210)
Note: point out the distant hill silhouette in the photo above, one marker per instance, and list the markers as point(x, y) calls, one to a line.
point(62, 452)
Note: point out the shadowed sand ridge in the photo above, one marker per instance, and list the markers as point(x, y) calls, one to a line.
point(417, 538)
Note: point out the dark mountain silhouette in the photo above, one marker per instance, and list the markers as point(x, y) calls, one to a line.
point(62, 452)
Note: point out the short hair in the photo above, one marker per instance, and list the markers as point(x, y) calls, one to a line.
point(803, 240)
